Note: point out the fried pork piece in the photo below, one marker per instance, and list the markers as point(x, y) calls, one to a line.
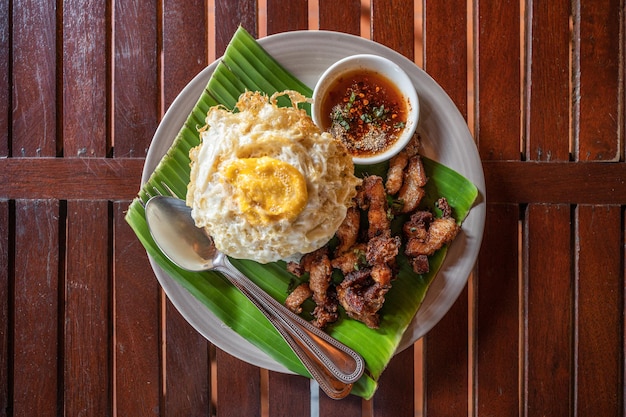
point(352, 259)
point(395, 173)
point(414, 179)
point(375, 201)
point(361, 297)
point(298, 296)
point(318, 265)
point(348, 231)
point(426, 235)
point(414, 145)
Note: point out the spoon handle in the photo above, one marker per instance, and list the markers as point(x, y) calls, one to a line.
point(332, 386)
point(321, 350)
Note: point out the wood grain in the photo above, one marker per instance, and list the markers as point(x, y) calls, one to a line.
point(446, 345)
point(540, 182)
point(86, 316)
point(231, 14)
point(600, 80)
point(70, 178)
point(187, 367)
point(238, 387)
point(283, 16)
point(446, 364)
point(350, 406)
point(497, 312)
point(395, 394)
point(84, 101)
point(136, 95)
point(185, 51)
point(6, 303)
point(548, 287)
point(498, 56)
point(399, 15)
point(34, 71)
point(136, 324)
point(445, 48)
point(36, 356)
point(600, 314)
point(289, 395)
point(547, 82)
point(5, 78)
point(340, 16)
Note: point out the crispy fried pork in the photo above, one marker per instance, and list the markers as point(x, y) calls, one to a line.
point(412, 191)
point(298, 296)
point(348, 231)
point(395, 173)
point(361, 297)
point(375, 199)
point(426, 234)
point(367, 258)
point(318, 265)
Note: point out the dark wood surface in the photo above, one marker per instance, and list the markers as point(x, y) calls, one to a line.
point(85, 328)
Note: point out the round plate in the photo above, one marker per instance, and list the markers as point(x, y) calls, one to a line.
point(445, 138)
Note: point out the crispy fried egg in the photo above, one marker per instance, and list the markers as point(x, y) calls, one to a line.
point(266, 184)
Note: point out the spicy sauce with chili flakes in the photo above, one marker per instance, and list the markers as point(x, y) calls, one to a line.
point(366, 112)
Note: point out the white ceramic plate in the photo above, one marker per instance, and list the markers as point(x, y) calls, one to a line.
point(445, 138)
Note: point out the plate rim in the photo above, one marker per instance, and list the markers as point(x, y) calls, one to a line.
point(189, 307)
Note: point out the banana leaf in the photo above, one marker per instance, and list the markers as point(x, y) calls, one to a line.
point(246, 65)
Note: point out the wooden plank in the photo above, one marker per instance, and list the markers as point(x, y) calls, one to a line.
point(185, 51)
point(238, 387)
point(6, 294)
point(33, 69)
point(5, 77)
point(136, 95)
point(70, 178)
point(84, 78)
point(498, 126)
point(395, 394)
point(350, 406)
point(340, 16)
point(601, 42)
point(36, 303)
point(445, 48)
point(548, 81)
point(540, 182)
point(600, 317)
point(446, 345)
point(231, 14)
point(136, 324)
point(289, 395)
point(283, 16)
point(446, 368)
point(398, 13)
point(506, 181)
point(548, 311)
point(187, 368)
point(87, 313)
point(497, 306)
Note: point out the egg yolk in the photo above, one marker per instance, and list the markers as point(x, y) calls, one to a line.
point(267, 189)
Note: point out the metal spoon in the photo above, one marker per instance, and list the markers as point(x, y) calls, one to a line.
point(333, 365)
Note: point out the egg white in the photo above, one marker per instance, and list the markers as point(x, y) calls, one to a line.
point(261, 128)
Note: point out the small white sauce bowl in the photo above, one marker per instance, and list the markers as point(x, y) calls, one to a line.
point(389, 70)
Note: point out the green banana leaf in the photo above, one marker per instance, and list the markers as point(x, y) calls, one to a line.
point(247, 66)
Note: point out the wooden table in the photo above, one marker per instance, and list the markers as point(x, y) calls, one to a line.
point(85, 328)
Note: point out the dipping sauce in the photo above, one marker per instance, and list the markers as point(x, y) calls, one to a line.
point(365, 111)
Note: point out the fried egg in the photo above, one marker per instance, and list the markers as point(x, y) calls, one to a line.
point(266, 184)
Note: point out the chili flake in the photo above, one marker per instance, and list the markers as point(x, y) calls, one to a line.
point(367, 113)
